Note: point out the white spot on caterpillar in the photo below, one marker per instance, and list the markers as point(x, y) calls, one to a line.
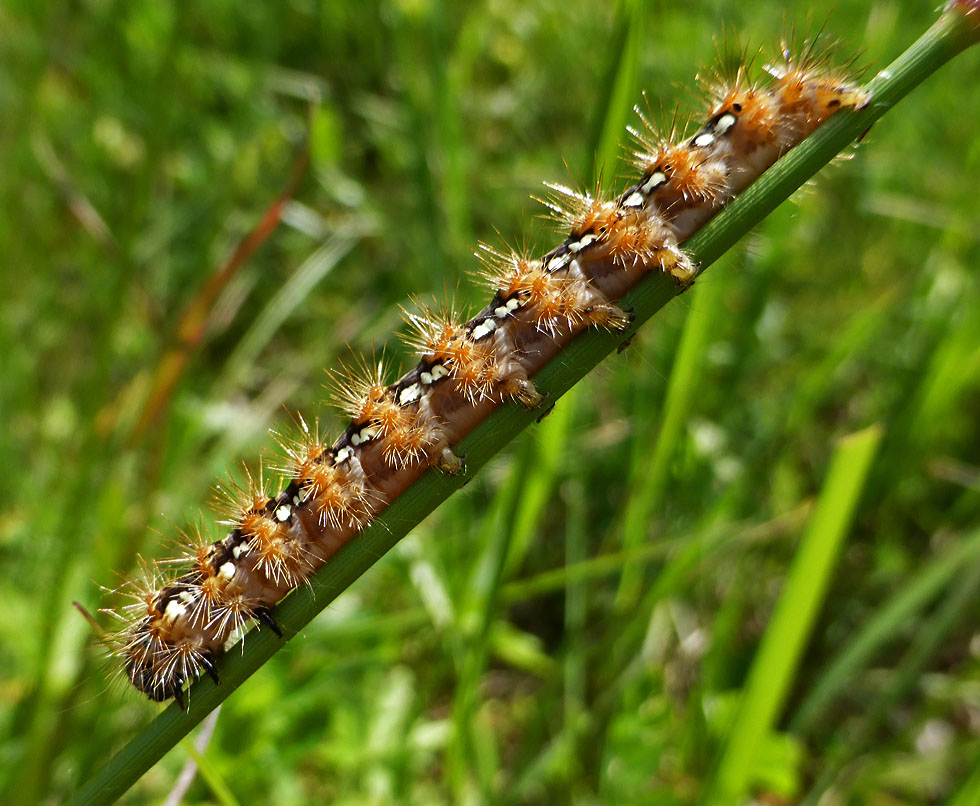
point(369, 433)
point(174, 611)
point(704, 140)
point(426, 378)
point(484, 329)
point(559, 262)
point(344, 454)
point(227, 571)
point(578, 246)
point(283, 512)
point(501, 311)
point(513, 304)
point(187, 597)
point(635, 200)
point(439, 371)
point(411, 393)
point(725, 122)
point(355, 439)
point(656, 180)
point(239, 550)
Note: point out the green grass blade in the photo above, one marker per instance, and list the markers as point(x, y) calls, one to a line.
point(925, 647)
point(969, 793)
point(622, 89)
point(782, 646)
point(653, 474)
point(214, 779)
point(291, 295)
point(890, 620)
point(538, 486)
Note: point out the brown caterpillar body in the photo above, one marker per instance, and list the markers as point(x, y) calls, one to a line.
point(176, 628)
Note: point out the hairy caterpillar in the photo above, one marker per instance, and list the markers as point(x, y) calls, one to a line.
point(180, 623)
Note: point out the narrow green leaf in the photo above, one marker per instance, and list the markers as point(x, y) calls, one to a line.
point(930, 581)
point(778, 658)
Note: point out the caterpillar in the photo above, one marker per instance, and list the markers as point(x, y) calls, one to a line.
point(178, 623)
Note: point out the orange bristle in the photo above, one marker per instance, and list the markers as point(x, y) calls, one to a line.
point(408, 443)
point(509, 275)
point(231, 614)
point(691, 176)
point(579, 213)
point(359, 389)
point(338, 500)
point(434, 331)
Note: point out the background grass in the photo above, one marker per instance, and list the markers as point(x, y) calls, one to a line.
point(578, 626)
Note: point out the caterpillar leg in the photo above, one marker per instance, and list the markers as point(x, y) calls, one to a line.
point(523, 391)
point(449, 463)
point(608, 316)
point(685, 276)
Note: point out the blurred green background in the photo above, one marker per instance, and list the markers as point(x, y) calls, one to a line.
point(646, 529)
